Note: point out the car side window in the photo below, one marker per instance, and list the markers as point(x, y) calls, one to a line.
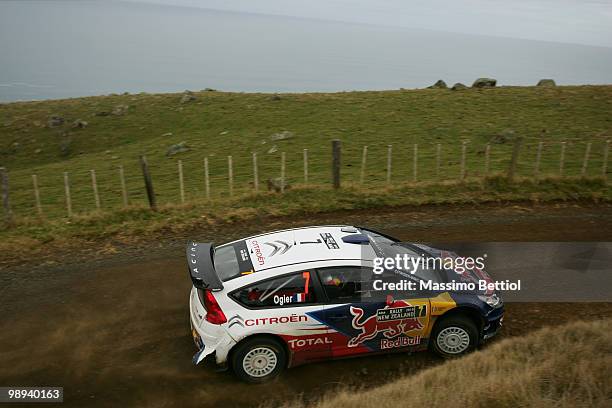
point(346, 283)
point(295, 289)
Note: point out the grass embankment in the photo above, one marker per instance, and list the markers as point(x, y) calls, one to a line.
point(567, 366)
point(217, 124)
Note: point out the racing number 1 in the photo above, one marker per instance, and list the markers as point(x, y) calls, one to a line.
point(306, 276)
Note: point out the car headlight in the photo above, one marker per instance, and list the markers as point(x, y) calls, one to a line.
point(493, 300)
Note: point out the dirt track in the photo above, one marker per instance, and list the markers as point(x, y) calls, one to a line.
point(114, 331)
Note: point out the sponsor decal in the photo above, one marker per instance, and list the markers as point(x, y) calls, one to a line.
point(403, 341)
point(397, 318)
point(276, 320)
point(284, 299)
point(258, 254)
point(398, 313)
point(278, 247)
point(329, 241)
point(308, 342)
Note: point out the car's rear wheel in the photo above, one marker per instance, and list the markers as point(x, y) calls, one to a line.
point(259, 360)
point(454, 335)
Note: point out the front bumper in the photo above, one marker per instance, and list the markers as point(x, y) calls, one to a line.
point(493, 323)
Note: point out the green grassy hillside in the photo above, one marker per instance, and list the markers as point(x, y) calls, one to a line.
point(214, 125)
point(217, 124)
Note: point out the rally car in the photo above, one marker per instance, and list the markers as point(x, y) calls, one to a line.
point(276, 300)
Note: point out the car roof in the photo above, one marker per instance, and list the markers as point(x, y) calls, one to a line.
point(306, 244)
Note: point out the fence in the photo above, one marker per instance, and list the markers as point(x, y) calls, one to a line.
point(61, 192)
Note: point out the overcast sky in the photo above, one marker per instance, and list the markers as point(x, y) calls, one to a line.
point(573, 21)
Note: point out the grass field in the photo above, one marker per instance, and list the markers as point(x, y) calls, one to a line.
point(218, 124)
point(566, 366)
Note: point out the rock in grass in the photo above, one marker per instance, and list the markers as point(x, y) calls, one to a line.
point(458, 87)
point(275, 98)
point(503, 137)
point(55, 121)
point(484, 83)
point(547, 82)
point(440, 84)
point(120, 110)
point(284, 135)
point(188, 96)
point(177, 148)
point(79, 124)
point(276, 184)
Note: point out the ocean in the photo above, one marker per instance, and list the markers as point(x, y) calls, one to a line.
point(60, 49)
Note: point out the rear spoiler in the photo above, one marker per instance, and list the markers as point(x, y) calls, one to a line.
point(201, 266)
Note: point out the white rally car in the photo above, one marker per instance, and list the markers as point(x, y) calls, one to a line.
point(276, 300)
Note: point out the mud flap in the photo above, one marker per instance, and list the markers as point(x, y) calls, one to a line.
point(201, 355)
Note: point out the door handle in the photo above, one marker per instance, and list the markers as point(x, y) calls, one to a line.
point(337, 317)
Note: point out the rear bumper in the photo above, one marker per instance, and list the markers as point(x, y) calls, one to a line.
point(212, 341)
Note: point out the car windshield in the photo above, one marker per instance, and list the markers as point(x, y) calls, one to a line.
point(388, 248)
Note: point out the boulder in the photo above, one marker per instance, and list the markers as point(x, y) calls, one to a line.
point(284, 135)
point(79, 124)
point(177, 148)
point(458, 87)
point(484, 83)
point(276, 184)
point(55, 121)
point(547, 82)
point(275, 98)
point(440, 84)
point(188, 97)
point(120, 110)
point(503, 137)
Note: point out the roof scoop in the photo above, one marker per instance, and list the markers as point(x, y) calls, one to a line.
point(359, 239)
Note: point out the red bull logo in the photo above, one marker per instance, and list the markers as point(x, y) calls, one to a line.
point(396, 318)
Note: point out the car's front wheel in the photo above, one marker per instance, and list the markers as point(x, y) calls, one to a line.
point(259, 360)
point(454, 335)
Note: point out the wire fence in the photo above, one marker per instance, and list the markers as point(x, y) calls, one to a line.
point(64, 193)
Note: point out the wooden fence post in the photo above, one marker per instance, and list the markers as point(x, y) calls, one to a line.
point(463, 153)
point(67, 191)
point(181, 181)
point(255, 174)
point(487, 159)
point(415, 164)
point(305, 166)
point(585, 162)
point(94, 187)
point(8, 214)
point(562, 159)
point(364, 158)
point(604, 166)
point(148, 183)
point(124, 194)
point(282, 186)
point(514, 160)
point(206, 179)
point(336, 159)
point(230, 175)
point(389, 153)
point(536, 169)
point(37, 194)
point(438, 151)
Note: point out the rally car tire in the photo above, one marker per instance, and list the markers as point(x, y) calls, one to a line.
point(454, 336)
point(259, 360)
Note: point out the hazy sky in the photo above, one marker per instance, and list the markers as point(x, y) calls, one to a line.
point(573, 21)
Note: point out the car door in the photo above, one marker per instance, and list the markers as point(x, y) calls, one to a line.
point(363, 320)
point(282, 306)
